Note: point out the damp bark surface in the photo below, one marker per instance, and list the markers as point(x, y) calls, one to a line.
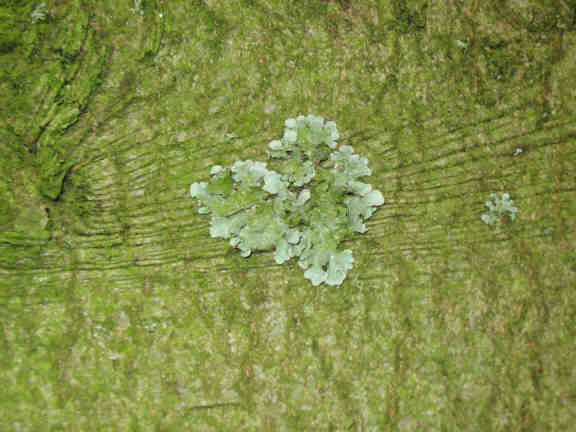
point(118, 311)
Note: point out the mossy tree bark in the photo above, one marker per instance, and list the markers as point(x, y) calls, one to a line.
point(110, 110)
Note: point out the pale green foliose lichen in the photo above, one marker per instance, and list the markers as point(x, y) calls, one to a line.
point(498, 208)
point(305, 207)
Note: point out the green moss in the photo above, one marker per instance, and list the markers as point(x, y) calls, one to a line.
point(116, 296)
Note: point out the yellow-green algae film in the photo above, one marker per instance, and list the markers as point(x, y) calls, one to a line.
point(119, 312)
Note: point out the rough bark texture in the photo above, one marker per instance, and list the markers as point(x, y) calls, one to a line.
point(118, 311)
